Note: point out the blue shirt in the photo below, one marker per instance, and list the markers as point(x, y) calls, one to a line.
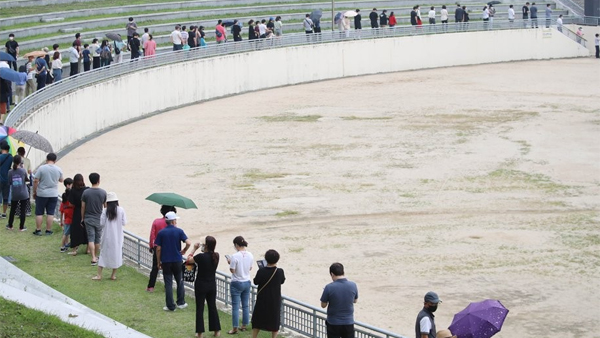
point(5, 164)
point(169, 239)
point(86, 55)
point(41, 63)
point(340, 295)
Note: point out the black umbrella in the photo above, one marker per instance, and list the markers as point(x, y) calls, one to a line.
point(7, 57)
point(114, 36)
point(33, 139)
point(228, 23)
point(316, 14)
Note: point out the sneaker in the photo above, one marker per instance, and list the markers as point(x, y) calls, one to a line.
point(150, 289)
point(182, 306)
point(49, 232)
point(24, 229)
point(167, 309)
point(94, 263)
point(3, 216)
point(28, 214)
point(37, 232)
point(63, 249)
point(8, 227)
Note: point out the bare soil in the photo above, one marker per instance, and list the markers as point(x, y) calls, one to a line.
point(475, 182)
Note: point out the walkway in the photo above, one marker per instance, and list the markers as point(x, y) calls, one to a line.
point(18, 286)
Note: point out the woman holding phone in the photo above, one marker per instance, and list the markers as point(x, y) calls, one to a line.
point(267, 310)
point(240, 264)
point(205, 286)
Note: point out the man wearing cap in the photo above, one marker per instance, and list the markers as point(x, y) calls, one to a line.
point(425, 324)
point(339, 297)
point(170, 256)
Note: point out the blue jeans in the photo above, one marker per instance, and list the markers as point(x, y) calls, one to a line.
point(240, 290)
point(171, 270)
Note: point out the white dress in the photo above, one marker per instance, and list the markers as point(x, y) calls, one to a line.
point(111, 248)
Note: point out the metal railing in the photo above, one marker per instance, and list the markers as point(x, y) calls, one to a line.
point(583, 20)
point(295, 315)
point(70, 84)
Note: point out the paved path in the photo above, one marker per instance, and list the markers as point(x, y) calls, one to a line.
point(18, 286)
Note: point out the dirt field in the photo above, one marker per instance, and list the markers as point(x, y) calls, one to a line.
point(475, 182)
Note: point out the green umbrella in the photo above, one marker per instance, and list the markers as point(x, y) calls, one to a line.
point(172, 199)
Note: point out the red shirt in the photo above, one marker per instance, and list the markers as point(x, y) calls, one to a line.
point(66, 209)
point(393, 20)
point(157, 226)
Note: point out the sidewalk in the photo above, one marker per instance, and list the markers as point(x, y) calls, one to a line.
point(18, 286)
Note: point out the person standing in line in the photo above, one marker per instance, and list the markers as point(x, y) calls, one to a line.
point(548, 15)
point(79, 49)
point(559, 23)
point(135, 46)
point(20, 84)
point(492, 11)
point(31, 86)
point(413, 16)
point(78, 232)
point(597, 44)
point(425, 323)
point(511, 14)
point(113, 220)
point(169, 253)
point(95, 49)
point(465, 17)
point(12, 48)
point(373, 17)
point(444, 17)
point(236, 30)
point(176, 38)
point(240, 265)
point(157, 225)
point(105, 54)
point(87, 59)
point(533, 14)
point(278, 26)
point(73, 60)
point(150, 46)
point(431, 15)
point(66, 214)
point(358, 23)
point(57, 67)
point(339, 298)
point(42, 72)
point(145, 38)
point(93, 200)
point(45, 192)
point(17, 178)
point(131, 28)
point(119, 48)
point(392, 20)
point(485, 16)
point(202, 36)
point(383, 19)
point(205, 285)
point(220, 33)
point(5, 94)
point(525, 11)
point(419, 20)
point(267, 310)
point(184, 36)
point(346, 26)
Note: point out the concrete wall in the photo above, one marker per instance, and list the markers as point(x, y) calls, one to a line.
point(88, 110)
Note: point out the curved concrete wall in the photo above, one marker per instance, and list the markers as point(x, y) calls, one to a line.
point(95, 108)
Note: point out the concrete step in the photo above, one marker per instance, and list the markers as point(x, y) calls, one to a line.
point(70, 30)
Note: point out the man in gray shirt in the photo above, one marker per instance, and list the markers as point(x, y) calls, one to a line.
point(534, 17)
point(45, 193)
point(548, 16)
point(93, 201)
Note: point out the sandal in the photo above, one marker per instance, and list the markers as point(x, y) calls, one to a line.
point(113, 278)
point(72, 253)
point(243, 328)
point(217, 333)
point(97, 278)
point(234, 331)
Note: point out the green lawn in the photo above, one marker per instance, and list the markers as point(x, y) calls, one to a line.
point(17, 321)
point(124, 300)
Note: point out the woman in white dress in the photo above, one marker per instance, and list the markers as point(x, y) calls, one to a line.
point(111, 248)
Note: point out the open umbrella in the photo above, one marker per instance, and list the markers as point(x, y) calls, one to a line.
point(5, 136)
point(10, 75)
point(35, 140)
point(316, 14)
point(479, 320)
point(114, 36)
point(6, 57)
point(338, 17)
point(172, 199)
point(350, 14)
point(35, 53)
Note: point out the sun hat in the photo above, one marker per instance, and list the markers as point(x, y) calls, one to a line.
point(444, 334)
point(111, 197)
point(171, 216)
point(432, 297)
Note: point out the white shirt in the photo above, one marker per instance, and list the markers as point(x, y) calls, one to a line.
point(425, 324)
point(57, 64)
point(511, 13)
point(419, 13)
point(94, 48)
point(176, 37)
point(145, 37)
point(30, 72)
point(241, 263)
point(559, 22)
point(308, 24)
point(486, 14)
point(597, 41)
point(262, 28)
point(431, 14)
point(444, 14)
point(73, 55)
point(184, 35)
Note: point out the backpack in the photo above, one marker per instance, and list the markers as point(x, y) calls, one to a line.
point(117, 50)
point(218, 34)
point(105, 54)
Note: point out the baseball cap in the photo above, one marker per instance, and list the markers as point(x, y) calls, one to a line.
point(432, 297)
point(171, 216)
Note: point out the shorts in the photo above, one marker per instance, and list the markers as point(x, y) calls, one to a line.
point(94, 233)
point(5, 190)
point(45, 203)
point(278, 32)
point(67, 229)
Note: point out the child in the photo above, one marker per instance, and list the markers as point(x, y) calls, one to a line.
point(17, 177)
point(86, 58)
point(21, 84)
point(66, 210)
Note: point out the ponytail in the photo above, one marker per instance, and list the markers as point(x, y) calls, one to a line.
point(16, 162)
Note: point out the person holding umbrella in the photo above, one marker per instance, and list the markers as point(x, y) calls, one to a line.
point(425, 324)
point(157, 225)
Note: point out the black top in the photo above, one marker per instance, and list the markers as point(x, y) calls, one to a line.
point(525, 12)
point(383, 19)
point(458, 15)
point(11, 47)
point(237, 32)
point(78, 233)
point(135, 45)
point(373, 17)
point(271, 25)
point(206, 267)
point(466, 16)
point(413, 17)
point(421, 315)
point(266, 314)
point(357, 22)
point(251, 33)
point(192, 39)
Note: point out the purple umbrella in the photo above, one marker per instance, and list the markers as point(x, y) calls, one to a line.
point(479, 320)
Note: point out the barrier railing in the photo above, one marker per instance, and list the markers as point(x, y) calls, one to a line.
point(61, 88)
point(295, 315)
point(583, 20)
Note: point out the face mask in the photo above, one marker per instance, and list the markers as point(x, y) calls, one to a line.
point(432, 309)
point(11, 38)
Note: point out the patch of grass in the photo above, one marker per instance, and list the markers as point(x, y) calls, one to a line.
point(525, 147)
point(124, 300)
point(296, 250)
point(356, 118)
point(407, 195)
point(287, 213)
point(18, 321)
point(243, 186)
point(291, 118)
point(258, 175)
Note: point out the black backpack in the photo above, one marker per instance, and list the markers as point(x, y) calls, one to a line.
point(117, 50)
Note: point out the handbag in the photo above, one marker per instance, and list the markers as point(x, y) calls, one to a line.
point(267, 283)
point(189, 272)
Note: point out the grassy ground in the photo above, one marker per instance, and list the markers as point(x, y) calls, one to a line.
point(18, 321)
point(124, 300)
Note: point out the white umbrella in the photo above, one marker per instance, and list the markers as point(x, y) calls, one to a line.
point(350, 14)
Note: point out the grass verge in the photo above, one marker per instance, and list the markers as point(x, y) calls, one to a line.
point(19, 321)
point(124, 300)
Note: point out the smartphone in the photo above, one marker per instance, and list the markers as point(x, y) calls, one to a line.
point(227, 257)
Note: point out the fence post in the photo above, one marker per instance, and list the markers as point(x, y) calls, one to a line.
point(282, 311)
point(139, 252)
point(226, 292)
point(315, 324)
